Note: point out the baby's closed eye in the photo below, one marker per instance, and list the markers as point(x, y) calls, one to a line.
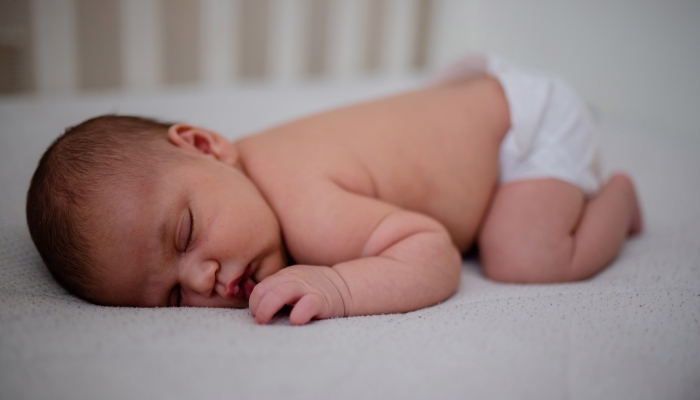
point(185, 233)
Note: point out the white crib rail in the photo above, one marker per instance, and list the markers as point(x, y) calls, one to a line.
point(141, 49)
point(219, 51)
point(619, 72)
point(53, 36)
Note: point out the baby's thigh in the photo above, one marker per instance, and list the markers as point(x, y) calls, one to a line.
point(527, 234)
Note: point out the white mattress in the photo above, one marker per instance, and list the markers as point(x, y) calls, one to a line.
point(632, 332)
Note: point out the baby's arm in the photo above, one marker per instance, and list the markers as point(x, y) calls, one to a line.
point(383, 260)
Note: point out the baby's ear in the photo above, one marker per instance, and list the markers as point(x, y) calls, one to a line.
point(202, 141)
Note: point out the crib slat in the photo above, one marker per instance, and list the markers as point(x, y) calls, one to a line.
point(348, 21)
point(141, 44)
point(316, 39)
point(217, 44)
point(16, 68)
point(99, 44)
point(253, 35)
point(54, 36)
point(399, 36)
point(375, 34)
point(449, 38)
point(286, 51)
point(181, 41)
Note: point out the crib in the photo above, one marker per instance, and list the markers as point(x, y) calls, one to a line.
point(68, 46)
point(239, 66)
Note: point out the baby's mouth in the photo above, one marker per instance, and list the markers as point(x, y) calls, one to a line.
point(243, 287)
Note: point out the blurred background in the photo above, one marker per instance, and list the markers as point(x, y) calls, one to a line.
point(637, 59)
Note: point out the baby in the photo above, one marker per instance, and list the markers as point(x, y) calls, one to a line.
point(361, 210)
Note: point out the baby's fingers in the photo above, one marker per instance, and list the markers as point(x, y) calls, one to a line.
point(306, 308)
point(275, 298)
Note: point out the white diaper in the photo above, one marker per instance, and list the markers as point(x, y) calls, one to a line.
point(552, 134)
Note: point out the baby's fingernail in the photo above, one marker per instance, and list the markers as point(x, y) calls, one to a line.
point(236, 289)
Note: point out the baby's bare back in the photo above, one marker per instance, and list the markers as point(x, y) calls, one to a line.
point(433, 151)
point(388, 193)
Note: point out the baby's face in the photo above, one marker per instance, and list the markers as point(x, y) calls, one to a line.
point(202, 235)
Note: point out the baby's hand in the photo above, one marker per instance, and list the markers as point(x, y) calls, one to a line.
point(310, 289)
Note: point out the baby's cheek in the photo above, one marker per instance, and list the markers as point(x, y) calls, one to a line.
point(269, 265)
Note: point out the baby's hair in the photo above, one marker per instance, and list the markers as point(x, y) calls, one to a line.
point(84, 163)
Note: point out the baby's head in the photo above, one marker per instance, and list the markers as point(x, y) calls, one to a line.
point(135, 212)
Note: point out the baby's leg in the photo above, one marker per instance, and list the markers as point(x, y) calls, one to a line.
point(545, 230)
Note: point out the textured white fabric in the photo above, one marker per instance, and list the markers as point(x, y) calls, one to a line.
point(631, 332)
point(552, 134)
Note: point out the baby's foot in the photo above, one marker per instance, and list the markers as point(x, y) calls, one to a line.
point(636, 223)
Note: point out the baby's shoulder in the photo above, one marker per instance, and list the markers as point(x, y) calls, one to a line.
point(288, 167)
point(323, 206)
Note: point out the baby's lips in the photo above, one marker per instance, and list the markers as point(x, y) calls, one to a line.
point(233, 290)
point(236, 288)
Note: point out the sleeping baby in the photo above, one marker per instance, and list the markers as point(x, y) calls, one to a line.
point(361, 210)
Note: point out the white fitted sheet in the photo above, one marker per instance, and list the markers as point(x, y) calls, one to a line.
point(632, 331)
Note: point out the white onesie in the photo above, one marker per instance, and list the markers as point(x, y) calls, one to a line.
point(552, 134)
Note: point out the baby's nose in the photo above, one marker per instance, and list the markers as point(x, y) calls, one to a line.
point(201, 278)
